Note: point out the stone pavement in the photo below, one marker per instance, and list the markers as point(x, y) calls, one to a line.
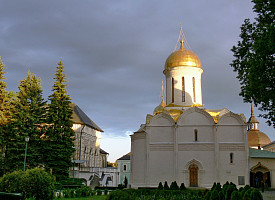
point(269, 195)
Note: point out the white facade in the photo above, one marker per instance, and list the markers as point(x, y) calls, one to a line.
point(164, 150)
point(183, 141)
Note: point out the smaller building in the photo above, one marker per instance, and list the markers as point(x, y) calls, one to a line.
point(124, 169)
point(270, 147)
point(256, 138)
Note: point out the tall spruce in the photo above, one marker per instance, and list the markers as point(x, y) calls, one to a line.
point(28, 120)
point(60, 136)
point(5, 117)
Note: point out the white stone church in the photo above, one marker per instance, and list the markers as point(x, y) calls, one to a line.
point(185, 142)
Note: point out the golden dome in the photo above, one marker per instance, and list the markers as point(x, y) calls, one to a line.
point(159, 108)
point(175, 114)
point(182, 57)
point(257, 138)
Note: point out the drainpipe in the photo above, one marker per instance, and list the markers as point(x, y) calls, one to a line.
point(80, 145)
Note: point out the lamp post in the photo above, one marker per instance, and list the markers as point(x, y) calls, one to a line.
point(26, 140)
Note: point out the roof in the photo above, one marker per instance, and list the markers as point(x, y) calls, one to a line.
point(80, 117)
point(257, 153)
point(257, 138)
point(126, 157)
point(103, 152)
point(271, 143)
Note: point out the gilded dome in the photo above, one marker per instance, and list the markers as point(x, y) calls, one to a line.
point(159, 108)
point(257, 138)
point(182, 57)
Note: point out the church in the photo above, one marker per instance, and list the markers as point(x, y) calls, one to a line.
point(185, 142)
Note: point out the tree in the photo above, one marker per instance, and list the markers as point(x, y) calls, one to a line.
point(28, 120)
point(5, 114)
point(59, 139)
point(254, 59)
point(125, 182)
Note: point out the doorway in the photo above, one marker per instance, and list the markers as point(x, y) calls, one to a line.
point(193, 171)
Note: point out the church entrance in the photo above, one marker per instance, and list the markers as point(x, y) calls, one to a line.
point(193, 171)
point(259, 175)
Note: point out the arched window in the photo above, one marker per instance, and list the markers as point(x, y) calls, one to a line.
point(194, 89)
point(196, 135)
point(231, 158)
point(183, 90)
point(173, 92)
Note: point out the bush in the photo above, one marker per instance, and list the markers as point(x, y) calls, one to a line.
point(215, 195)
point(166, 187)
point(256, 195)
point(160, 187)
point(33, 183)
point(235, 195)
point(174, 186)
point(182, 186)
point(98, 192)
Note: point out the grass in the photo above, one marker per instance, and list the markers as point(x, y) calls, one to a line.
point(103, 197)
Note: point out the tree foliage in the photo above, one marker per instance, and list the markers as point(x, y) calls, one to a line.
point(28, 120)
point(254, 59)
point(60, 136)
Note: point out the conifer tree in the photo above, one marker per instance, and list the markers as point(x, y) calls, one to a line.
point(60, 136)
point(5, 116)
point(28, 120)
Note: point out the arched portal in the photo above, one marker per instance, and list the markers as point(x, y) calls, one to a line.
point(259, 174)
point(193, 172)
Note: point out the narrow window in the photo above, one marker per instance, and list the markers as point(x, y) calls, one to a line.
point(231, 158)
point(183, 90)
point(196, 135)
point(173, 90)
point(194, 90)
point(124, 167)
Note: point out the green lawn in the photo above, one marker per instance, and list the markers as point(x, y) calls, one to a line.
point(103, 197)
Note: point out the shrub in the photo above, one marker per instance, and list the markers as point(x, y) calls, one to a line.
point(182, 186)
point(98, 192)
point(246, 195)
point(214, 185)
point(256, 195)
point(105, 191)
point(208, 195)
point(174, 186)
point(166, 187)
point(235, 195)
point(215, 195)
point(160, 187)
point(33, 183)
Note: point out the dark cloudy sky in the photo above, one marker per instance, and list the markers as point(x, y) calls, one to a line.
point(114, 54)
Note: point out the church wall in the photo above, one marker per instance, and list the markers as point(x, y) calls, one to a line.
point(229, 129)
point(267, 162)
point(138, 159)
point(160, 170)
point(230, 171)
point(204, 159)
point(232, 149)
point(187, 134)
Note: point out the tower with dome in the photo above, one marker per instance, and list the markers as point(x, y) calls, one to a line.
point(185, 142)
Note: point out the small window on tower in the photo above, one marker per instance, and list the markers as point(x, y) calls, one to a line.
point(231, 158)
point(124, 167)
point(173, 84)
point(196, 135)
point(194, 89)
point(183, 90)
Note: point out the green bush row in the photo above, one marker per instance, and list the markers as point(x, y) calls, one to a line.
point(147, 194)
point(229, 191)
point(34, 183)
